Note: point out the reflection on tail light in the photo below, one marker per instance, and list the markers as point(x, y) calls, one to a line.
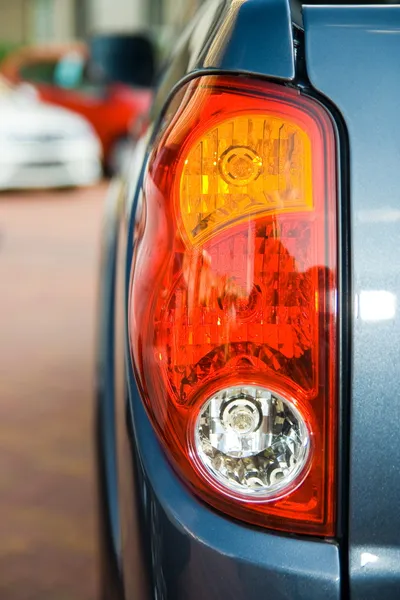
point(232, 307)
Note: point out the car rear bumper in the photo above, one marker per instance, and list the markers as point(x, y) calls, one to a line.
point(195, 553)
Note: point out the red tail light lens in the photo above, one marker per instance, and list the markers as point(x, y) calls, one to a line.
point(233, 301)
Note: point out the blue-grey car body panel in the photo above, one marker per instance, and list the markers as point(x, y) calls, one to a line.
point(352, 56)
point(105, 358)
point(105, 426)
point(247, 36)
point(193, 551)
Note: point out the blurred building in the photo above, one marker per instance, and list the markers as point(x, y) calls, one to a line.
point(24, 21)
point(36, 21)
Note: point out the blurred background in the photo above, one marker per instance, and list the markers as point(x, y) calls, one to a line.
point(76, 82)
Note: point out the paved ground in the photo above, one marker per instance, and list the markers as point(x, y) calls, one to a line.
point(48, 265)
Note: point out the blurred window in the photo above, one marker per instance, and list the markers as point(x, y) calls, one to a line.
point(69, 72)
point(124, 58)
point(82, 19)
point(43, 22)
point(73, 73)
point(39, 72)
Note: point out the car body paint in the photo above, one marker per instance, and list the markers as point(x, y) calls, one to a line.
point(352, 57)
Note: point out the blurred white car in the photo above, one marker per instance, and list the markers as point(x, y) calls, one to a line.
point(43, 146)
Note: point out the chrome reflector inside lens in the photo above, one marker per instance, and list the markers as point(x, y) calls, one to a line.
point(252, 441)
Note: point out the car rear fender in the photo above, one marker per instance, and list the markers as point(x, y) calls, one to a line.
point(352, 57)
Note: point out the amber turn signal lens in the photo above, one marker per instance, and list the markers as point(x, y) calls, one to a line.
point(233, 301)
point(246, 165)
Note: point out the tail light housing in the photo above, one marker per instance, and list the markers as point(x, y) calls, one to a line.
point(232, 313)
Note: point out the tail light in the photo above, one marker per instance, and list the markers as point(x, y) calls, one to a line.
point(233, 301)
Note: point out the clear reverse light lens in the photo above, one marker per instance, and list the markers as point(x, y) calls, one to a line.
point(252, 441)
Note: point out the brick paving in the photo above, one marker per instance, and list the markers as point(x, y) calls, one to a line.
point(49, 246)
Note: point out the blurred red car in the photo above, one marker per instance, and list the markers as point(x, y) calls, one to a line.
point(111, 99)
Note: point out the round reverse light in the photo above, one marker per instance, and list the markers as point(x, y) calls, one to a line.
point(252, 441)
